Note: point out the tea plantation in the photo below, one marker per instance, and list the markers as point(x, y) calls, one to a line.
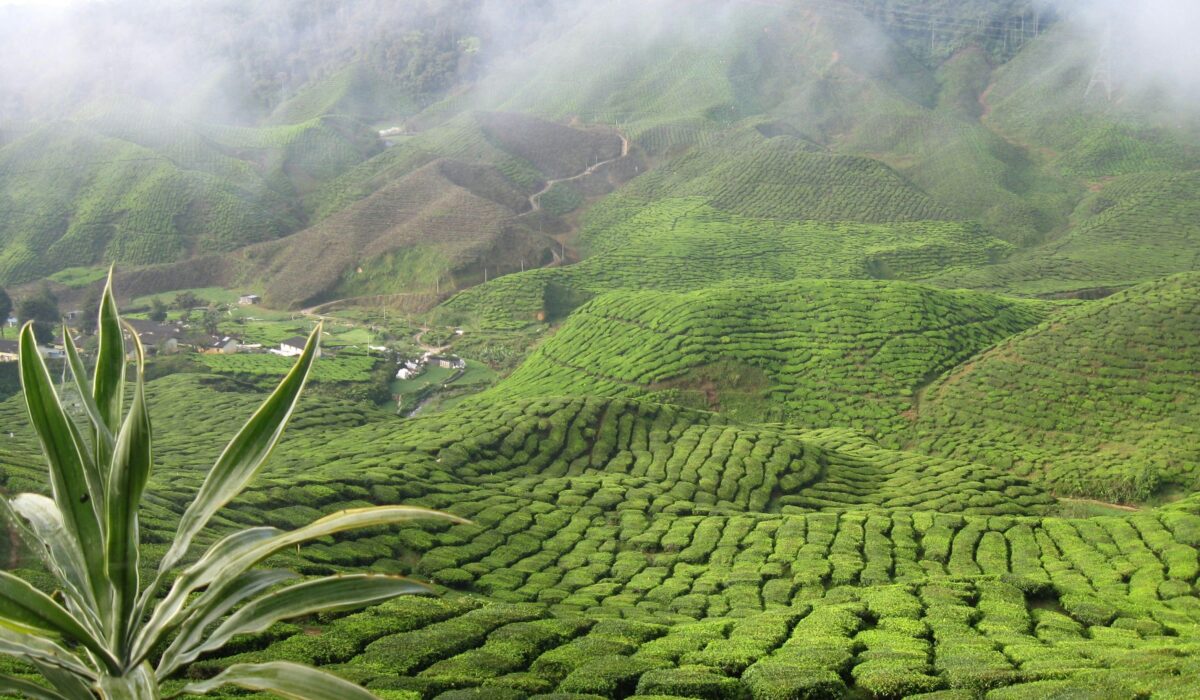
point(812, 353)
point(686, 244)
point(813, 350)
point(1102, 400)
point(623, 548)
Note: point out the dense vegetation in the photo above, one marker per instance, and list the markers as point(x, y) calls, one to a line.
point(1115, 413)
point(812, 351)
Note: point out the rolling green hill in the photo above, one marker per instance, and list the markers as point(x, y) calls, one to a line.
point(685, 244)
point(139, 188)
point(817, 354)
point(1099, 401)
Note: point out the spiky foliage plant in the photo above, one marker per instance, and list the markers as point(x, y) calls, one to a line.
point(108, 634)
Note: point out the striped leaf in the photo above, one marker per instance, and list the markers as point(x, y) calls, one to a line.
point(245, 454)
point(102, 437)
point(192, 632)
point(40, 525)
point(26, 610)
point(108, 383)
point(74, 478)
point(10, 685)
point(330, 594)
point(131, 463)
point(284, 679)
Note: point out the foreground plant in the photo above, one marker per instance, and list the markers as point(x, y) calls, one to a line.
point(106, 635)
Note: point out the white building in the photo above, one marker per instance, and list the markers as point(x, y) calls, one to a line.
point(293, 347)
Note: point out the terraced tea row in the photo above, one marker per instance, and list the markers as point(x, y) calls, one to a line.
point(786, 606)
point(782, 177)
point(1101, 401)
point(685, 245)
point(812, 353)
point(1137, 228)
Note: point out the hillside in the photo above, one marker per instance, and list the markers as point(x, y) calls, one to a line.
point(685, 244)
point(1099, 401)
point(810, 349)
point(445, 214)
point(141, 188)
point(816, 354)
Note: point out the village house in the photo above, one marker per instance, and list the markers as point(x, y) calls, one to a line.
point(156, 337)
point(249, 300)
point(220, 345)
point(292, 347)
point(447, 361)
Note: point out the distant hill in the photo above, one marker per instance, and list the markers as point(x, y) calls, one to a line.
point(139, 187)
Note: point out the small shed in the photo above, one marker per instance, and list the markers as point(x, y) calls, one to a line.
point(447, 361)
point(221, 345)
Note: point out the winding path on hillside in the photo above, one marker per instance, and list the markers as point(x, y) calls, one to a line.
point(535, 203)
point(535, 199)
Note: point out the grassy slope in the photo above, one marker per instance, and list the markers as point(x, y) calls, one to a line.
point(831, 353)
point(1099, 401)
point(1136, 155)
point(457, 209)
point(685, 244)
point(355, 90)
point(139, 187)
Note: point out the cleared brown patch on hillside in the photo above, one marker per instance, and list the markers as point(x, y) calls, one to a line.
point(557, 150)
point(459, 209)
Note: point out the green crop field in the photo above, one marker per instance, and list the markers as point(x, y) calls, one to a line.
point(685, 244)
point(344, 367)
point(814, 350)
point(1101, 401)
point(818, 346)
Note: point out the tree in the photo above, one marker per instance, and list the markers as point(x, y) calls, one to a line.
point(107, 633)
point(185, 300)
point(158, 310)
point(6, 309)
point(42, 310)
point(212, 319)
